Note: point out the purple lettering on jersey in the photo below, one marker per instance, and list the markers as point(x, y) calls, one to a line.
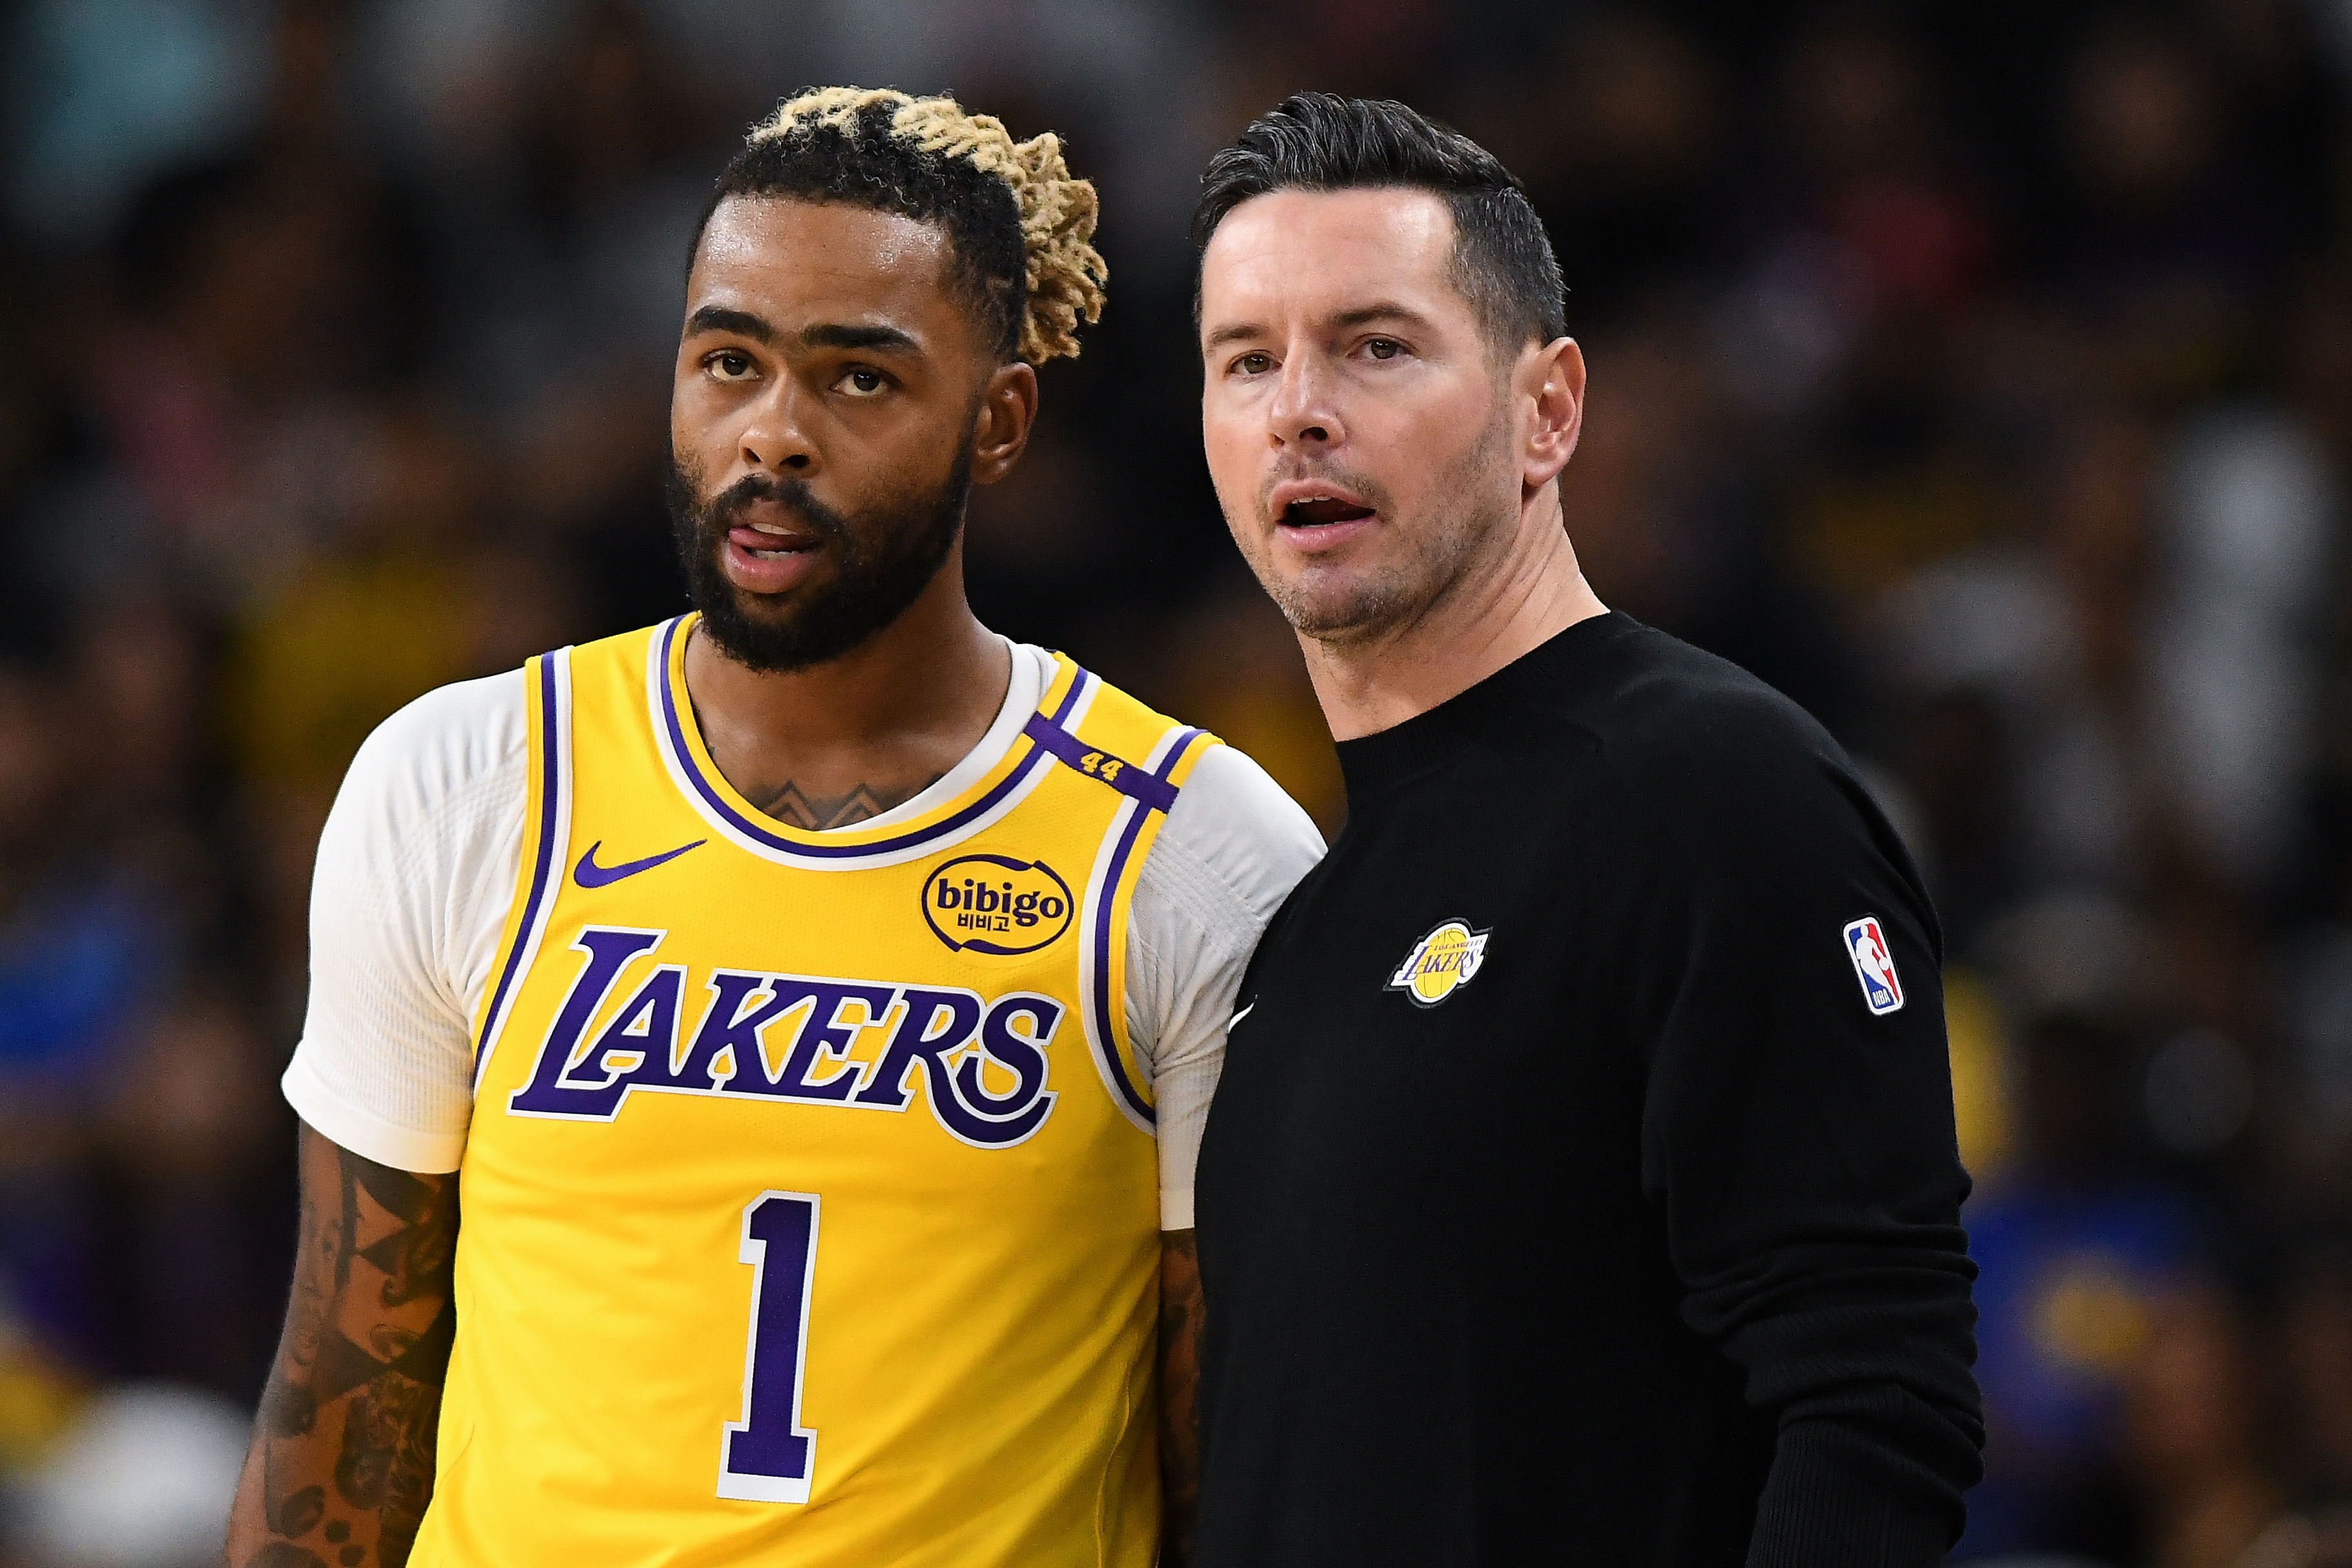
point(921, 1037)
point(939, 1024)
point(727, 1027)
point(609, 951)
point(769, 1455)
point(822, 1035)
point(638, 1047)
point(1013, 1116)
point(645, 1029)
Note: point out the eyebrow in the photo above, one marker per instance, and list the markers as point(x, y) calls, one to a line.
point(1384, 310)
point(743, 323)
point(1362, 316)
point(826, 335)
point(834, 335)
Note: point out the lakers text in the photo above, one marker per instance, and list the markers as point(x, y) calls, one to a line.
point(982, 1062)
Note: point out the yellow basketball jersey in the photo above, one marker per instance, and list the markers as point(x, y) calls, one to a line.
point(809, 1213)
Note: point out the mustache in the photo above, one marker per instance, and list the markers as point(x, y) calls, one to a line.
point(720, 512)
point(1374, 493)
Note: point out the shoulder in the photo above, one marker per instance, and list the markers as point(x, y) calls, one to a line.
point(452, 734)
point(1229, 819)
point(1234, 825)
point(1722, 775)
point(456, 742)
point(1224, 861)
point(1732, 786)
point(1687, 729)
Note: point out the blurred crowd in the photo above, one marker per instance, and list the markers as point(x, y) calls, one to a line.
point(1980, 374)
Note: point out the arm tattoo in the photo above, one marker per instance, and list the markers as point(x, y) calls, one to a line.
point(341, 1464)
point(1182, 1310)
point(794, 805)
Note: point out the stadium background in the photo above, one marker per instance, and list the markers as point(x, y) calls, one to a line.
point(1980, 373)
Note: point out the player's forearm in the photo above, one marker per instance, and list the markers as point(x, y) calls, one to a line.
point(349, 1487)
point(340, 1469)
point(1181, 1311)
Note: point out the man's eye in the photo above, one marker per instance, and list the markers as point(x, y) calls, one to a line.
point(1384, 348)
point(1254, 363)
point(862, 382)
point(728, 365)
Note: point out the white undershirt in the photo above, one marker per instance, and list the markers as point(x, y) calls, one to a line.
point(417, 866)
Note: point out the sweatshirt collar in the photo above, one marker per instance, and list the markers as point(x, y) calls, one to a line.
point(1375, 763)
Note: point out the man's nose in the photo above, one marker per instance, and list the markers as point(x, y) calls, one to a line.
point(775, 438)
point(1306, 411)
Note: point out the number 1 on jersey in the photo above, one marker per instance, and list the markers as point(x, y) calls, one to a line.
point(769, 1457)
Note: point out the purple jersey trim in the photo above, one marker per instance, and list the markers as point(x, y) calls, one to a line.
point(1126, 777)
point(1048, 738)
point(551, 762)
point(717, 802)
point(1111, 876)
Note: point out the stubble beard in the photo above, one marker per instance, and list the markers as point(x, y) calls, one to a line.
point(1441, 551)
point(883, 559)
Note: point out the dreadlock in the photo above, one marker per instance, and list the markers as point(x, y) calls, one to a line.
point(1018, 224)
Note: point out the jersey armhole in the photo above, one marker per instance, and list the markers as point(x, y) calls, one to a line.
point(547, 824)
point(1126, 846)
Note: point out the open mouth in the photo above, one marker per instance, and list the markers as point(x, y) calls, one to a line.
point(767, 541)
point(1320, 511)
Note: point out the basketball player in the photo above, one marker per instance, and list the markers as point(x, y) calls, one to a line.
point(1581, 1187)
point(815, 999)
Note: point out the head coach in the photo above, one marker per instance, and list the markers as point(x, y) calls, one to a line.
point(1582, 1187)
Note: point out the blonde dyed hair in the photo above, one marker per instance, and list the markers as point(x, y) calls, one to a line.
point(1065, 274)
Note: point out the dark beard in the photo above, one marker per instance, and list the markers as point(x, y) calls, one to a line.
point(882, 563)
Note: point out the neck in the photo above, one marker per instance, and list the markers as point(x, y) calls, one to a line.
point(1511, 603)
point(833, 744)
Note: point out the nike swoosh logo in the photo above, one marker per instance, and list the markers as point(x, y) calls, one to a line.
point(589, 874)
point(1239, 1017)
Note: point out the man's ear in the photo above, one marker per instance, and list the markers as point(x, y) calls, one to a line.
point(1008, 408)
point(1549, 382)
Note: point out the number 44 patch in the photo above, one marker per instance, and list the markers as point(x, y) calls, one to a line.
point(1865, 943)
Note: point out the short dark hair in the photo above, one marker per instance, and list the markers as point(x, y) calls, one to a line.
point(1017, 222)
point(1503, 259)
point(863, 163)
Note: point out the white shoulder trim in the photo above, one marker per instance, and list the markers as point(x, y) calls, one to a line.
point(415, 872)
point(1233, 848)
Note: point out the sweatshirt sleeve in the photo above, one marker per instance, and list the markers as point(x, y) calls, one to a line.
point(1798, 1132)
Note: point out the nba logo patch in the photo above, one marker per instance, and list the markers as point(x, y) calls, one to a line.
point(1872, 965)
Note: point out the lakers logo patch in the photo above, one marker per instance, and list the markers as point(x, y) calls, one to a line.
point(996, 904)
point(1440, 963)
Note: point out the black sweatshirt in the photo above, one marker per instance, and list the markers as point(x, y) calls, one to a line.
point(1581, 1187)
